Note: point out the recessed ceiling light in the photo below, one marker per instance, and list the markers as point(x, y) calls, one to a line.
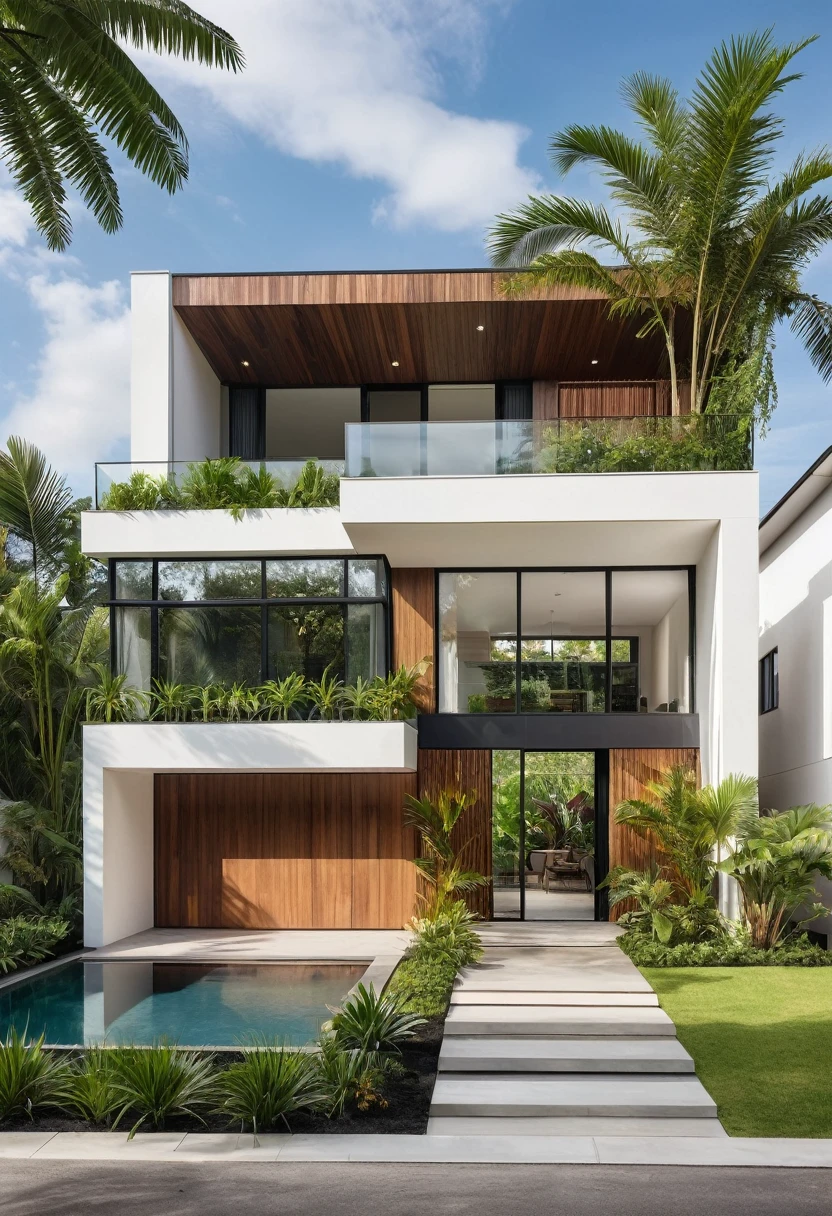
point(245, 363)
point(480, 328)
point(594, 361)
point(395, 363)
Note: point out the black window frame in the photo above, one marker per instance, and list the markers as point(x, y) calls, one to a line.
point(264, 602)
point(609, 637)
point(770, 681)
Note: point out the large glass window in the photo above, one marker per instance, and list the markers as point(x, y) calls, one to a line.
point(563, 653)
point(288, 615)
point(478, 643)
point(588, 641)
point(651, 619)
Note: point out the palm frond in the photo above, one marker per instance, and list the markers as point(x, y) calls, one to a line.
point(35, 501)
point(545, 224)
point(812, 322)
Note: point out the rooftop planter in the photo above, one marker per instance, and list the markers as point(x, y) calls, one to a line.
point(224, 484)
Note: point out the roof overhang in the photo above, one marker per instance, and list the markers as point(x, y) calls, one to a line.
point(303, 330)
point(795, 501)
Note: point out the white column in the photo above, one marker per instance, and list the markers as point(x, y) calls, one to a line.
point(151, 378)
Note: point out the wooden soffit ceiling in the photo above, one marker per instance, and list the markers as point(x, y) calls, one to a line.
point(298, 330)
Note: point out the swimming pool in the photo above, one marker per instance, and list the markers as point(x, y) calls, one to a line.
point(192, 1004)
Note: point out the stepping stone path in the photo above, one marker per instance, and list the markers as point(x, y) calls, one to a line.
point(544, 1038)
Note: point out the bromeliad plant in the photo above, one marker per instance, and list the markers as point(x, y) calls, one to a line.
point(373, 1022)
point(443, 865)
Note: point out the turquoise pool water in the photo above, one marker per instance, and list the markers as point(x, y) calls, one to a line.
point(193, 1004)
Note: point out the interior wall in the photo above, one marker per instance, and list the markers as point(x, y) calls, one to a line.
point(197, 399)
point(284, 851)
point(467, 770)
point(304, 423)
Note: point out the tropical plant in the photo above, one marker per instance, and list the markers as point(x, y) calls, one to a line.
point(652, 894)
point(350, 1075)
point(30, 1077)
point(391, 698)
point(65, 77)
point(25, 940)
point(211, 484)
point(158, 1082)
point(173, 702)
point(270, 1083)
point(278, 698)
point(371, 1022)
point(360, 700)
point(704, 230)
point(239, 702)
point(444, 864)
point(35, 501)
point(326, 695)
point(314, 488)
point(223, 483)
point(91, 1091)
point(423, 985)
point(448, 935)
point(112, 699)
point(141, 492)
point(775, 862)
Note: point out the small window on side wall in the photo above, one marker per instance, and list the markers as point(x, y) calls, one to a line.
point(769, 682)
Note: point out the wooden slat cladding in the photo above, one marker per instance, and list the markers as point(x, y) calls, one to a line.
point(348, 329)
point(283, 851)
point(414, 612)
point(544, 400)
point(630, 772)
point(465, 770)
point(610, 400)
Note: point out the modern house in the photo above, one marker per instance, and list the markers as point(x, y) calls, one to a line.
point(516, 504)
point(795, 674)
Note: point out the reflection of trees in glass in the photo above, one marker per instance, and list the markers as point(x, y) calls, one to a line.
point(306, 639)
point(209, 645)
point(220, 580)
point(549, 775)
point(304, 579)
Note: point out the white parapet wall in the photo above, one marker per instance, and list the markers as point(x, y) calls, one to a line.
point(121, 759)
point(212, 534)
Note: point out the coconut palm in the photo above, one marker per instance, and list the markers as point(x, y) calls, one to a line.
point(703, 227)
point(66, 81)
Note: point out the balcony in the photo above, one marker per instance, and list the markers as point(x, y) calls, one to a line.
point(216, 484)
point(693, 442)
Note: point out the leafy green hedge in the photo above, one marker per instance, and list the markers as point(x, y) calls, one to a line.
point(25, 940)
point(425, 985)
point(691, 442)
point(723, 952)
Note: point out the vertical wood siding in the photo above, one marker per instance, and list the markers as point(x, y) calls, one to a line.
point(283, 851)
point(631, 770)
point(465, 770)
point(414, 612)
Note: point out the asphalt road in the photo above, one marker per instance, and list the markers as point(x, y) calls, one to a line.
point(58, 1188)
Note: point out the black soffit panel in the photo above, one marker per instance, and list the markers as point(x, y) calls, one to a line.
point(557, 732)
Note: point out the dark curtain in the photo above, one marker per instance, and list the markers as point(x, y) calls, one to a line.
point(515, 401)
point(247, 423)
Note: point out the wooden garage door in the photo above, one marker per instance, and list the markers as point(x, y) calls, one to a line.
point(283, 851)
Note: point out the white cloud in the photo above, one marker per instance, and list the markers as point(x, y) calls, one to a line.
point(77, 408)
point(356, 83)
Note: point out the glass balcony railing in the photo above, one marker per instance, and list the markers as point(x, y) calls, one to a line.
point(597, 445)
point(214, 484)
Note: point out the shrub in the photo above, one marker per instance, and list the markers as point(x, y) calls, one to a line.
point(160, 1081)
point(91, 1090)
point(269, 1084)
point(351, 1075)
point(29, 1076)
point(423, 985)
point(727, 952)
point(447, 935)
point(29, 939)
point(373, 1022)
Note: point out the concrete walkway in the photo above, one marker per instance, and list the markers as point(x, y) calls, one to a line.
point(556, 1033)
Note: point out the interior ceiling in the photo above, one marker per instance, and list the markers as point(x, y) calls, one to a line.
point(329, 335)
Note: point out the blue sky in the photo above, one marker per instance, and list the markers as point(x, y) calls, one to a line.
point(370, 134)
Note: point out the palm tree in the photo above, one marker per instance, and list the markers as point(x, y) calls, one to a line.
point(65, 81)
point(704, 230)
point(35, 505)
point(444, 864)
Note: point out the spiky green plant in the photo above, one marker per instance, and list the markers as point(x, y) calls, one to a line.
point(279, 698)
point(30, 1076)
point(141, 492)
point(313, 488)
point(112, 699)
point(161, 1081)
point(91, 1088)
point(170, 701)
point(444, 864)
point(372, 1022)
point(448, 936)
point(326, 695)
point(652, 894)
point(211, 484)
point(35, 501)
point(270, 1083)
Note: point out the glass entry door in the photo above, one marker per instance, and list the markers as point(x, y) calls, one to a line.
point(543, 835)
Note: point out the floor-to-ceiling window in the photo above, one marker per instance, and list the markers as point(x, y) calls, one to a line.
point(566, 641)
point(245, 620)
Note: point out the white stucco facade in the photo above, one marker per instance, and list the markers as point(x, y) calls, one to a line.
point(796, 619)
point(119, 764)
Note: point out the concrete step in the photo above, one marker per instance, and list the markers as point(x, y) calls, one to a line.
point(516, 1095)
point(533, 1021)
point(608, 1055)
point(464, 996)
point(562, 969)
point(576, 1126)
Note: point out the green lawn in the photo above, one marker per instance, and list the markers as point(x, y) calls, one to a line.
point(761, 1038)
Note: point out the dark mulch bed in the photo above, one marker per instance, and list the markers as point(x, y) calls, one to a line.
point(408, 1099)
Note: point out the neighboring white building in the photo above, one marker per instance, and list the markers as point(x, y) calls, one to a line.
point(604, 612)
point(796, 642)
